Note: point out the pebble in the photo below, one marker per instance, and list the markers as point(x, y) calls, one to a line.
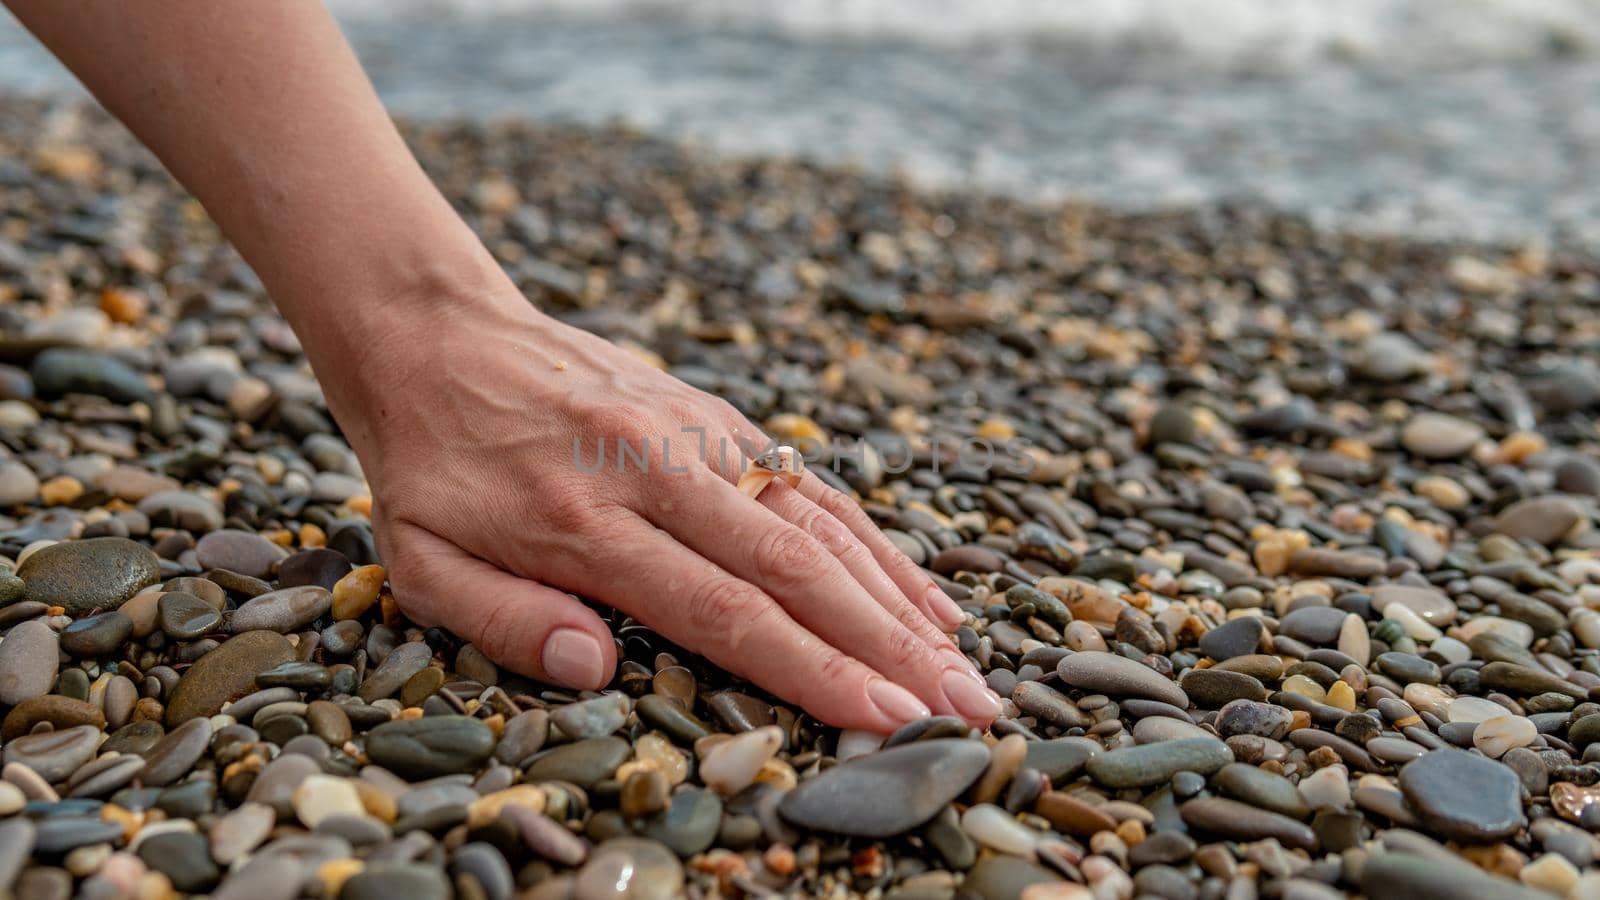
point(430, 746)
point(225, 674)
point(1117, 675)
point(28, 662)
point(732, 766)
point(282, 611)
point(94, 574)
point(1155, 763)
point(889, 792)
point(1491, 810)
point(238, 551)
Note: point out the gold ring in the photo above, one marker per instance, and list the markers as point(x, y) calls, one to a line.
point(783, 462)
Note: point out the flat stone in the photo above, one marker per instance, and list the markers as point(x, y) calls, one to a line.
point(1062, 758)
point(1109, 673)
point(886, 793)
point(402, 662)
point(1237, 637)
point(182, 509)
point(28, 661)
point(591, 718)
point(65, 370)
point(1213, 688)
point(1317, 625)
point(630, 869)
point(53, 755)
point(1259, 787)
point(389, 880)
point(1070, 815)
point(1432, 604)
point(689, 825)
point(317, 566)
point(61, 712)
point(583, 763)
point(1149, 764)
point(184, 858)
point(1433, 435)
point(1436, 788)
point(282, 611)
point(1003, 877)
point(1545, 520)
point(1407, 876)
point(225, 674)
point(1241, 821)
point(431, 746)
point(84, 576)
point(96, 636)
point(175, 755)
point(238, 551)
point(185, 617)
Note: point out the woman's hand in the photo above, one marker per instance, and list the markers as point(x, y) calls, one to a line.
point(464, 404)
point(482, 451)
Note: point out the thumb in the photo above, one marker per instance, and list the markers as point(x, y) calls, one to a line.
point(523, 625)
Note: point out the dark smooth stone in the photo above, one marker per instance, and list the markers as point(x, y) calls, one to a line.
point(1149, 764)
point(96, 636)
point(185, 617)
point(184, 858)
point(1238, 637)
point(1407, 876)
point(1434, 788)
point(430, 746)
point(317, 566)
point(689, 825)
point(583, 763)
point(889, 792)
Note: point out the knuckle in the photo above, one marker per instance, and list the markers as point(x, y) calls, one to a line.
point(495, 631)
point(720, 606)
point(834, 670)
point(829, 532)
point(905, 649)
point(785, 552)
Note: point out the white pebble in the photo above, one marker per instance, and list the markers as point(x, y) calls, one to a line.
point(855, 742)
point(321, 796)
point(1474, 709)
point(732, 765)
point(1414, 625)
point(1550, 872)
point(998, 830)
point(1586, 627)
point(1451, 649)
point(1519, 633)
point(1493, 737)
point(1327, 788)
point(1354, 641)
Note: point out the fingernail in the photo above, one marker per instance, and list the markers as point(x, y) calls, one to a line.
point(894, 701)
point(948, 613)
point(971, 699)
point(573, 658)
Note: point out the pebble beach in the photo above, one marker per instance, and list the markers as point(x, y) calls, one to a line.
point(1287, 573)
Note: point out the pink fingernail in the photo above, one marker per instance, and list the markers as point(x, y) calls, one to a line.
point(970, 698)
point(946, 609)
point(574, 659)
point(894, 701)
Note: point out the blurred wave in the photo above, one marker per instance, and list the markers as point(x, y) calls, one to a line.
point(1253, 34)
point(1475, 119)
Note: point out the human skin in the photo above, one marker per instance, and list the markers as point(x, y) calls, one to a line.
point(464, 403)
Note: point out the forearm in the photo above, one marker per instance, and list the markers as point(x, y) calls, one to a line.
point(263, 112)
